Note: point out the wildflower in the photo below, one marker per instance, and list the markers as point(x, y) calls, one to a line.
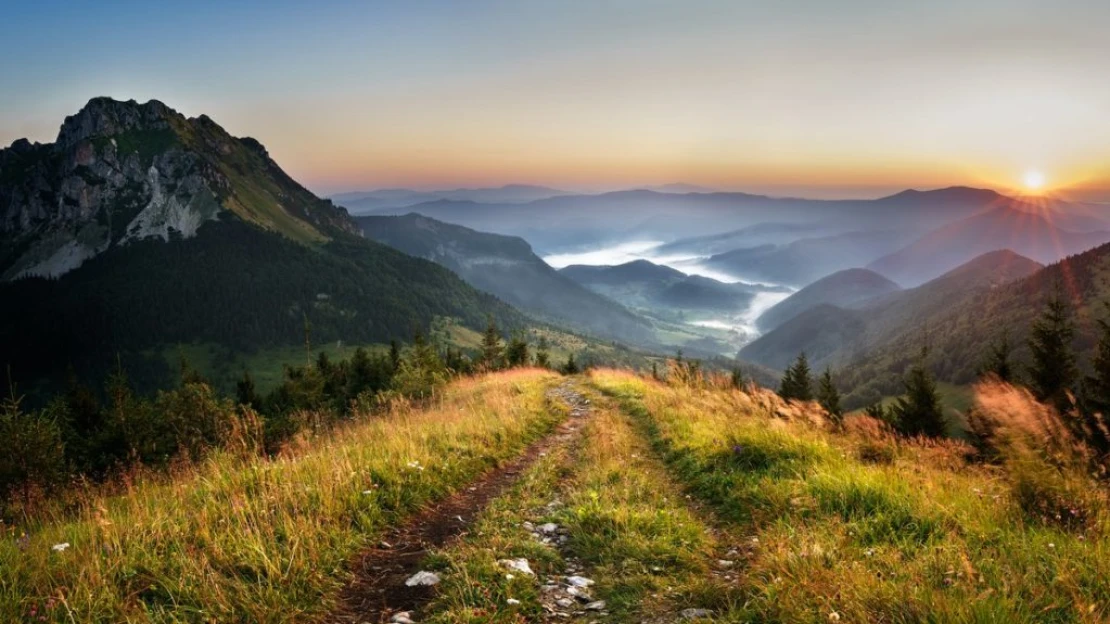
point(834, 617)
point(60, 547)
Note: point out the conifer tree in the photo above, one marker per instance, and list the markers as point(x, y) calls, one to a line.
point(1096, 392)
point(796, 381)
point(571, 367)
point(738, 378)
point(829, 397)
point(998, 361)
point(876, 411)
point(245, 392)
point(918, 412)
point(394, 354)
point(491, 347)
point(516, 354)
point(543, 355)
point(1053, 371)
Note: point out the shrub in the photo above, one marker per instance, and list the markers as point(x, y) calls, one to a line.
point(34, 455)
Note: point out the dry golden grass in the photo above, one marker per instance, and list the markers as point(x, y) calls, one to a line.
point(862, 527)
point(263, 540)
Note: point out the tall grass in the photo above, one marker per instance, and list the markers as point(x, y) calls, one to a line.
point(627, 524)
point(234, 539)
point(858, 526)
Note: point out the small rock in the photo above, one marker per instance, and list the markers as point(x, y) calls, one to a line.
point(549, 528)
point(565, 603)
point(579, 581)
point(528, 526)
point(402, 617)
point(512, 601)
point(385, 545)
point(520, 565)
point(596, 605)
point(725, 563)
point(696, 614)
point(422, 577)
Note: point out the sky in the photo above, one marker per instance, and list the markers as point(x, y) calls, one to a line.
point(816, 98)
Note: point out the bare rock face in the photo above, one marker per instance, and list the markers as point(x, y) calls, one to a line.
point(122, 171)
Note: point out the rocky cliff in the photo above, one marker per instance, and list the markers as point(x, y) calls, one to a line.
point(124, 171)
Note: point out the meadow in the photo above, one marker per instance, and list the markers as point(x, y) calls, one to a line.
point(857, 525)
point(241, 537)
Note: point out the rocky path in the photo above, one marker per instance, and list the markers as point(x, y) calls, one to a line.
point(389, 583)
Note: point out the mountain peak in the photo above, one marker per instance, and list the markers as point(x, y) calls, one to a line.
point(949, 193)
point(104, 116)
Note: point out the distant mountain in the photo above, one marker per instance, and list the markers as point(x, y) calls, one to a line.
point(806, 260)
point(747, 237)
point(635, 271)
point(506, 266)
point(642, 284)
point(363, 202)
point(680, 187)
point(904, 317)
point(1004, 226)
point(844, 289)
point(154, 229)
point(821, 332)
point(578, 221)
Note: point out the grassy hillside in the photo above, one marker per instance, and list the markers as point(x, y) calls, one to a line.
point(860, 527)
point(650, 501)
point(249, 539)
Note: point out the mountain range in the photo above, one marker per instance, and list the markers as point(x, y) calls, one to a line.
point(506, 267)
point(139, 227)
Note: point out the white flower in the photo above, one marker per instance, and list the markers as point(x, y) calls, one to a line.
point(834, 617)
point(60, 547)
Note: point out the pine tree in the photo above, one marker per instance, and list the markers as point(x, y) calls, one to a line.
point(876, 411)
point(738, 378)
point(543, 356)
point(796, 381)
point(245, 392)
point(998, 361)
point(1096, 392)
point(1053, 371)
point(394, 354)
point(919, 411)
point(516, 354)
point(571, 367)
point(829, 397)
point(491, 347)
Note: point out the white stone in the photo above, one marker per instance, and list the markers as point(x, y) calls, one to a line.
point(422, 577)
point(520, 565)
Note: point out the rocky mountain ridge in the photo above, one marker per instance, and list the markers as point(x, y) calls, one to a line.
point(123, 171)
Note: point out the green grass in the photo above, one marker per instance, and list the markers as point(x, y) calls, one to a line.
point(628, 525)
point(224, 367)
point(247, 539)
point(925, 536)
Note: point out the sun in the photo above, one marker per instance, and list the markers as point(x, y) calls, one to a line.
point(1033, 180)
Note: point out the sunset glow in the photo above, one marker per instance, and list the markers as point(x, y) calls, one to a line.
point(815, 98)
point(1034, 181)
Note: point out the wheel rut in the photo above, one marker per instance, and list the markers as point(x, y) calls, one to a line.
point(379, 591)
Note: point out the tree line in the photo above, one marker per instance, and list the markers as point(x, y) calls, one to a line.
point(82, 433)
point(1052, 375)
